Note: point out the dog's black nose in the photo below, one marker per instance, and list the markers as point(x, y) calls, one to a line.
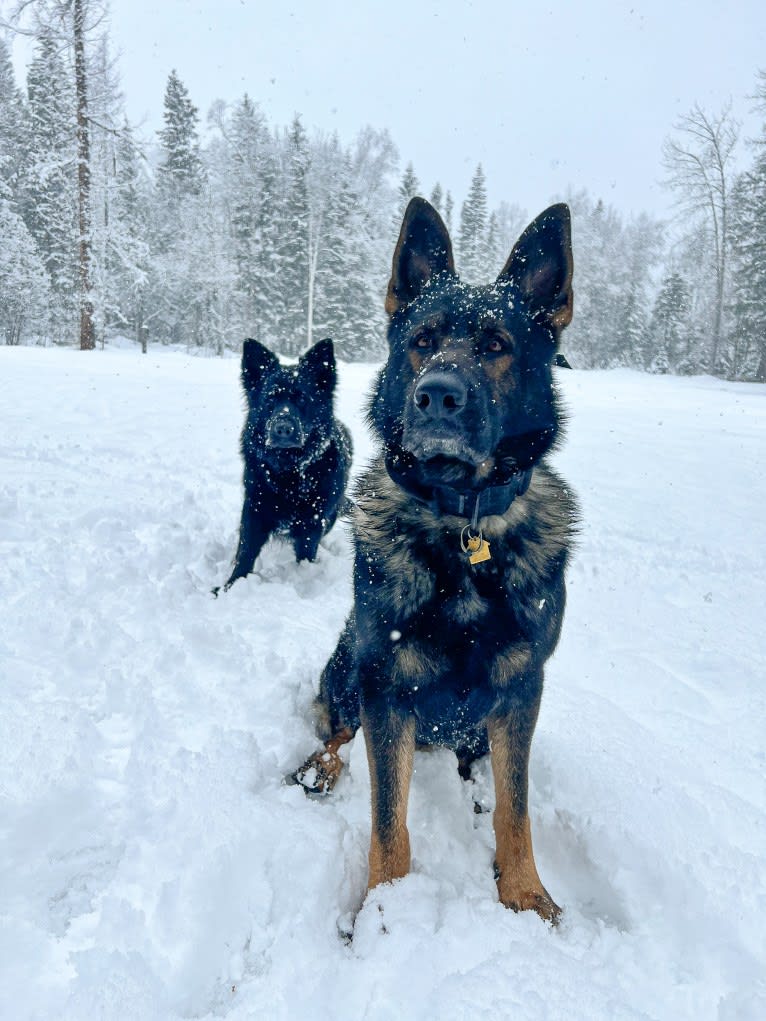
point(283, 428)
point(440, 395)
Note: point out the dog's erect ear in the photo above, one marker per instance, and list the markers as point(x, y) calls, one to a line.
point(541, 266)
point(257, 361)
point(317, 366)
point(422, 251)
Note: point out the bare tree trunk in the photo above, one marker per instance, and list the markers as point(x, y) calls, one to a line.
point(310, 314)
point(720, 220)
point(87, 331)
point(314, 234)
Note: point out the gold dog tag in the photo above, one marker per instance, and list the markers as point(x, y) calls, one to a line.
point(478, 550)
point(475, 546)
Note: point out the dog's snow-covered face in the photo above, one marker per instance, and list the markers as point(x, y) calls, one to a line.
point(467, 392)
point(289, 406)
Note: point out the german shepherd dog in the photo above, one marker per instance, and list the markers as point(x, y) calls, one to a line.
point(296, 454)
point(462, 535)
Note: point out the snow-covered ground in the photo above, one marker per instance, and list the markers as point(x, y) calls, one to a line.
point(154, 866)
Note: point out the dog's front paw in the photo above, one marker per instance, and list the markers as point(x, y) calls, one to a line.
point(536, 899)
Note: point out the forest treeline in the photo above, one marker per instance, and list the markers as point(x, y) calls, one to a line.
point(286, 235)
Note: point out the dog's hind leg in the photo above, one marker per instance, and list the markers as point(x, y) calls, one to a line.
point(518, 883)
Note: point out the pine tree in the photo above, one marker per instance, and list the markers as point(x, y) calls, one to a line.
point(294, 246)
point(747, 338)
point(409, 187)
point(347, 299)
point(267, 241)
point(13, 119)
point(24, 283)
point(128, 254)
point(49, 194)
point(511, 221)
point(669, 328)
point(472, 249)
point(640, 246)
point(183, 292)
point(180, 171)
point(600, 292)
point(449, 206)
point(247, 176)
point(491, 255)
point(437, 197)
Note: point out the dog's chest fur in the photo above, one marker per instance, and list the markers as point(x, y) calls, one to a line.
point(415, 582)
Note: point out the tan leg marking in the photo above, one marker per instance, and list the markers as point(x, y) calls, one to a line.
point(518, 884)
point(390, 788)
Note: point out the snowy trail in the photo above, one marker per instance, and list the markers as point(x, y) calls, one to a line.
point(152, 864)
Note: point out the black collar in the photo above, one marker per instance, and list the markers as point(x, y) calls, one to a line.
point(471, 504)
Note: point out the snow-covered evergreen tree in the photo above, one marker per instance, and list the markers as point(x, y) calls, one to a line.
point(669, 332)
point(472, 254)
point(13, 123)
point(248, 174)
point(640, 244)
point(746, 349)
point(345, 299)
point(24, 283)
point(184, 296)
point(128, 255)
point(294, 244)
point(49, 186)
point(409, 187)
point(449, 206)
point(510, 220)
point(180, 172)
point(614, 266)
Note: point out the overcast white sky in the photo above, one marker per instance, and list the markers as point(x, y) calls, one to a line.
point(543, 94)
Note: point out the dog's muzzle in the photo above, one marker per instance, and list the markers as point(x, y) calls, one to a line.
point(284, 431)
point(437, 424)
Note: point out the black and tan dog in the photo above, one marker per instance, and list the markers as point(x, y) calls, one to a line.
point(296, 454)
point(462, 536)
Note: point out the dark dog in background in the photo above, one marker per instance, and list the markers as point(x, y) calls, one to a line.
point(462, 534)
point(296, 454)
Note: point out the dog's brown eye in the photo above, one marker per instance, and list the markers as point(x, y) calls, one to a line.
point(422, 342)
point(494, 345)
